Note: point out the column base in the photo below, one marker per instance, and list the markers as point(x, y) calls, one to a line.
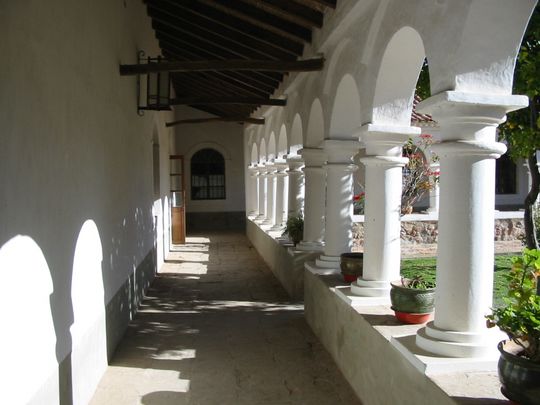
point(367, 288)
point(328, 262)
point(458, 344)
point(310, 246)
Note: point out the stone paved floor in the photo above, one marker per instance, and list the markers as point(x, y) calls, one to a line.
point(217, 328)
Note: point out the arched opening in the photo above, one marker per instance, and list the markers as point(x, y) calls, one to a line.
point(345, 118)
point(315, 128)
point(254, 154)
point(262, 152)
point(394, 93)
point(272, 147)
point(296, 135)
point(282, 142)
point(207, 175)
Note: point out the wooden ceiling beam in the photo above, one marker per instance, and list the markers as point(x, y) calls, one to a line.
point(240, 120)
point(219, 35)
point(183, 52)
point(306, 65)
point(227, 100)
point(290, 11)
point(319, 5)
point(262, 20)
point(211, 14)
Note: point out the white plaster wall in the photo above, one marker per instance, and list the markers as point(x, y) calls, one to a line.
point(226, 138)
point(74, 151)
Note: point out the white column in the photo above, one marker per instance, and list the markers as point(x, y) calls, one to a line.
point(296, 185)
point(435, 191)
point(339, 197)
point(467, 156)
point(382, 226)
point(314, 202)
point(252, 192)
point(280, 194)
point(262, 193)
point(270, 194)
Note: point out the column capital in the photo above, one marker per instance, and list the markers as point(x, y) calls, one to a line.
point(313, 156)
point(468, 148)
point(386, 140)
point(295, 163)
point(280, 165)
point(388, 161)
point(340, 150)
point(470, 116)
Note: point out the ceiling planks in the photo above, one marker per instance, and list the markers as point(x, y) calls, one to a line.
point(241, 33)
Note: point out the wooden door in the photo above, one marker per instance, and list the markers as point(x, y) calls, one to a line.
point(178, 198)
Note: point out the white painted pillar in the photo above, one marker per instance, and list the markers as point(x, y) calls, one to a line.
point(339, 200)
point(252, 194)
point(382, 224)
point(270, 194)
point(314, 202)
point(435, 191)
point(280, 194)
point(296, 185)
point(262, 192)
point(465, 253)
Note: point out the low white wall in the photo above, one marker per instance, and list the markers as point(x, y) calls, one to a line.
point(358, 338)
point(286, 263)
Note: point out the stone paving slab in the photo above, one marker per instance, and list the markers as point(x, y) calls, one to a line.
point(217, 328)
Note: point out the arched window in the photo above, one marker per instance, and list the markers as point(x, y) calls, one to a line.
point(207, 175)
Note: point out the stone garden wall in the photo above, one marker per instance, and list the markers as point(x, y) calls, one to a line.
point(419, 237)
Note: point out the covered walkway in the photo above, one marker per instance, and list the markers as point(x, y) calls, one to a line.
point(217, 328)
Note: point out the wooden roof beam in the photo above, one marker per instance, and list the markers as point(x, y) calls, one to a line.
point(240, 120)
point(211, 14)
point(290, 11)
point(306, 65)
point(275, 25)
point(227, 100)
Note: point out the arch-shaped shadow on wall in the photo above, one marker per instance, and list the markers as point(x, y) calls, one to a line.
point(89, 329)
point(29, 369)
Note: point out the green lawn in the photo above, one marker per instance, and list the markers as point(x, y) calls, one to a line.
point(426, 267)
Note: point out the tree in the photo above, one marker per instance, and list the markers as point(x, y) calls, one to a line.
point(522, 128)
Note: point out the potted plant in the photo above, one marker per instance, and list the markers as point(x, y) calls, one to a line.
point(413, 299)
point(352, 265)
point(294, 227)
point(519, 318)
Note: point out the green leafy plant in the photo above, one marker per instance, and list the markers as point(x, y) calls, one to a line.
point(295, 228)
point(519, 317)
point(417, 282)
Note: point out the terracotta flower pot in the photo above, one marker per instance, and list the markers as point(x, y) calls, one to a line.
point(352, 266)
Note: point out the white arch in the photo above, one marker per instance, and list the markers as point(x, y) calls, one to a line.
point(271, 151)
point(282, 142)
point(394, 92)
point(296, 135)
point(315, 127)
point(345, 118)
point(262, 151)
point(254, 153)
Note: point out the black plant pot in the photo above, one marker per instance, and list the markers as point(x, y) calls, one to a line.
point(520, 377)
